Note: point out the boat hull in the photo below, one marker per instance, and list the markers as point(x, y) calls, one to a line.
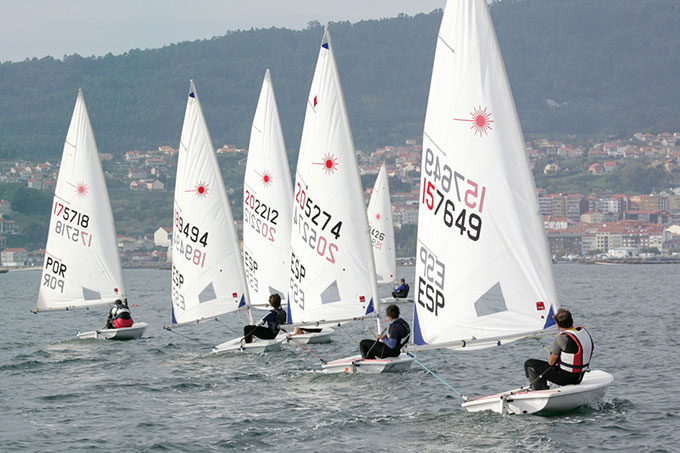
point(397, 300)
point(256, 347)
point(308, 338)
point(560, 399)
point(355, 364)
point(122, 334)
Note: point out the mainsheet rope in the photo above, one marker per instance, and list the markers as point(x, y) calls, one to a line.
point(345, 330)
point(63, 326)
point(228, 328)
point(437, 376)
point(291, 337)
point(169, 329)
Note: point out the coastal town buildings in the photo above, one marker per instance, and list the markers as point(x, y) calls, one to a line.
point(580, 223)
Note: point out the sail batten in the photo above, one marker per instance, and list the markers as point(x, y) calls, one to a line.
point(482, 266)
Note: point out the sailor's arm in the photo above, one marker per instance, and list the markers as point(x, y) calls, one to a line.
point(559, 345)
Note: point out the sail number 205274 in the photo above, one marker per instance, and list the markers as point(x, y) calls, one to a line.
point(436, 197)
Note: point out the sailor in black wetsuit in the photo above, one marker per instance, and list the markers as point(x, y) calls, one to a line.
point(401, 291)
point(387, 345)
point(273, 319)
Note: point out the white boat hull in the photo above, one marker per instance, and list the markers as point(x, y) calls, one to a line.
point(237, 345)
point(308, 338)
point(397, 300)
point(355, 364)
point(124, 333)
point(560, 399)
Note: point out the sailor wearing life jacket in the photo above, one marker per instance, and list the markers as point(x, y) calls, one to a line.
point(401, 291)
point(387, 345)
point(119, 316)
point(569, 357)
point(273, 320)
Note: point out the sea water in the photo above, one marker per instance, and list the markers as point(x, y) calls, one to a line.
point(166, 392)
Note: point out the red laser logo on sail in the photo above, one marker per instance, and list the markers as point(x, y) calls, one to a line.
point(330, 164)
point(266, 178)
point(480, 119)
point(81, 189)
point(201, 190)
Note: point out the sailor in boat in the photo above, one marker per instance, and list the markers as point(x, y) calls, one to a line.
point(119, 316)
point(387, 345)
point(569, 357)
point(401, 291)
point(273, 320)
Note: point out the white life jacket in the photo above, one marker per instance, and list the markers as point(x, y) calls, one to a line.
point(120, 312)
point(579, 350)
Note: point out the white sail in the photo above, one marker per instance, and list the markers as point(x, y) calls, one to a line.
point(207, 269)
point(483, 268)
point(382, 229)
point(332, 275)
point(267, 203)
point(81, 267)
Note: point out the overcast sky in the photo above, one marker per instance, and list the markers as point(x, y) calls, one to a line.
point(36, 28)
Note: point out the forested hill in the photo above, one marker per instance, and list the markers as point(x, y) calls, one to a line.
point(576, 67)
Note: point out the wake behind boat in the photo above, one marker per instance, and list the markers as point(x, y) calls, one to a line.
point(483, 271)
point(82, 266)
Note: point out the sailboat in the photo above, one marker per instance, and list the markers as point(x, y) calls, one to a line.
point(382, 229)
point(382, 234)
point(483, 270)
point(267, 210)
point(82, 266)
point(267, 203)
point(208, 279)
point(332, 272)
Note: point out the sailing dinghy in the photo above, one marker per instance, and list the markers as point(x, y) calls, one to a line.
point(483, 270)
point(382, 234)
point(267, 208)
point(208, 280)
point(332, 272)
point(267, 204)
point(82, 266)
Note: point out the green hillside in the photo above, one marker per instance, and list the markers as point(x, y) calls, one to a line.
point(577, 67)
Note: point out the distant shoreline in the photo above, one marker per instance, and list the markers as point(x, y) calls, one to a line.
point(165, 265)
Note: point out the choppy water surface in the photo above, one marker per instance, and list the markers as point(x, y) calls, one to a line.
point(166, 392)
